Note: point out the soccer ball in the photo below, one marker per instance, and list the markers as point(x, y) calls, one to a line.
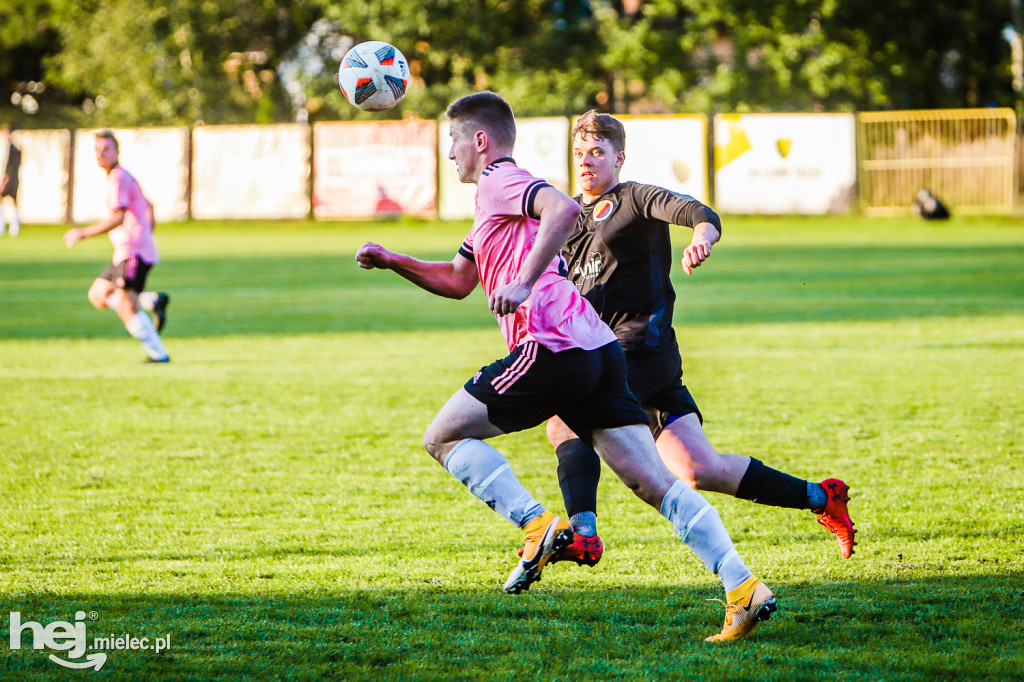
point(374, 76)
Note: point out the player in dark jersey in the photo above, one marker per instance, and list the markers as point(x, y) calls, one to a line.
point(620, 258)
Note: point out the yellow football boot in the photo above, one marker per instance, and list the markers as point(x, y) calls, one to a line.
point(748, 605)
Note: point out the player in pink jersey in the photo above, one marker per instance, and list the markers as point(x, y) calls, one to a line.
point(563, 361)
point(130, 229)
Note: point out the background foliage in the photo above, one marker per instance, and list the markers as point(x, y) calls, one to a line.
point(130, 62)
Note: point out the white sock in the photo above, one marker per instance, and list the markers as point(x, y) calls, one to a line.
point(112, 301)
point(487, 474)
point(699, 525)
point(3, 218)
point(141, 327)
point(147, 300)
point(15, 223)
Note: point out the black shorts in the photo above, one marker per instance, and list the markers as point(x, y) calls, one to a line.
point(586, 389)
point(656, 379)
point(130, 273)
point(11, 190)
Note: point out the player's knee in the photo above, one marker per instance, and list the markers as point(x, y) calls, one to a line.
point(701, 471)
point(651, 494)
point(436, 446)
point(693, 465)
point(707, 467)
point(689, 478)
point(558, 432)
point(643, 487)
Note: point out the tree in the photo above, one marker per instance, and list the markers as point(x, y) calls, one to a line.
point(141, 63)
point(734, 55)
point(749, 55)
point(131, 62)
point(537, 53)
point(28, 36)
point(929, 54)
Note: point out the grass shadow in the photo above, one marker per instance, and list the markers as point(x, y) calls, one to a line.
point(938, 628)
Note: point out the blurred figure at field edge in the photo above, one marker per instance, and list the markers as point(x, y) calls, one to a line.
point(620, 259)
point(9, 182)
point(130, 228)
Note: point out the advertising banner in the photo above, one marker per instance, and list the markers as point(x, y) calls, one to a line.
point(668, 151)
point(366, 170)
point(156, 157)
point(43, 179)
point(542, 147)
point(785, 163)
point(251, 171)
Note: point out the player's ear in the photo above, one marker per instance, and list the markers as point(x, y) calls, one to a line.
point(481, 140)
point(620, 159)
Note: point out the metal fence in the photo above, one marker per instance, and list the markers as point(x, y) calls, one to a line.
point(965, 156)
point(1020, 168)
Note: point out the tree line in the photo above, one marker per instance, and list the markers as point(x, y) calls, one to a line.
point(90, 63)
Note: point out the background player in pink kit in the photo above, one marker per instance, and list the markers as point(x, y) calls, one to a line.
point(563, 361)
point(130, 229)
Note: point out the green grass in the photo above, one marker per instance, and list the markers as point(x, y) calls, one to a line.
point(266, 502)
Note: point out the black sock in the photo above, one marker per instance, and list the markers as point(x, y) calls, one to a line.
point(579, 470)
point(774, 488)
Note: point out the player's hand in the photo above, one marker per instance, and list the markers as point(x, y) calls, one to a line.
point(370, 256)
point(73, 236)
point(507, 298)
point(696, 253)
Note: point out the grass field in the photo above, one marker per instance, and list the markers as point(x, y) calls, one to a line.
point(264, 500)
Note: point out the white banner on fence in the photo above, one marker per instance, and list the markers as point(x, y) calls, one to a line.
point(363, 170)
point(250, 171)
point(668, 151)
point(785, 163)
point(542, 148)
point(156, 157)
point(43, 179)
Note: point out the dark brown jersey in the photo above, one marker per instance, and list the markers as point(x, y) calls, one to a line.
point(620, 258)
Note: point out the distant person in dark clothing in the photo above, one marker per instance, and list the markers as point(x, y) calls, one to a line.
point(929, 206)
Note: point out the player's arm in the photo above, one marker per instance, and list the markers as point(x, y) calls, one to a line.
point(681, 209)
point(557, 213)
point(454, 279)
point(77, 234)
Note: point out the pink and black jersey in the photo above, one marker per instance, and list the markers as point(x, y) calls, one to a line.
point(134, 236)
point(504, 230)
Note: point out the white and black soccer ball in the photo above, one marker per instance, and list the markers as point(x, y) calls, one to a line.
point(374, 76)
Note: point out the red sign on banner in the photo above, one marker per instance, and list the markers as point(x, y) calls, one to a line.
point(374, 170)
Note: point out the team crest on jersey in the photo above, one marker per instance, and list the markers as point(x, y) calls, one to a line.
point(589, 269)
point(603, 210)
